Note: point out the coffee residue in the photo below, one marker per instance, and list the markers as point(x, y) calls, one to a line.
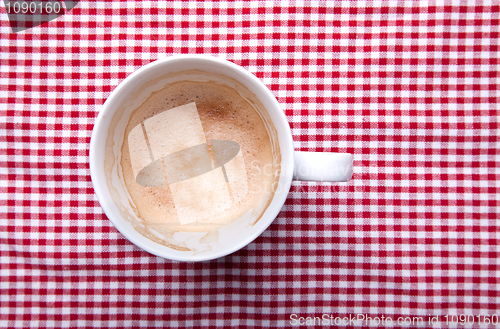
point(224, 115)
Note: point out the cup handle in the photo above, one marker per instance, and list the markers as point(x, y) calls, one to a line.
point(323, 166)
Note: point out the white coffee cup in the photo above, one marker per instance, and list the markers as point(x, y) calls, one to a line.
point(108, 180)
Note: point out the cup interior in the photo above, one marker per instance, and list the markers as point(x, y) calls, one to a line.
point(107, 139)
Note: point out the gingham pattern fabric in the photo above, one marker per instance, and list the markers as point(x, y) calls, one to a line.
point(410, 88)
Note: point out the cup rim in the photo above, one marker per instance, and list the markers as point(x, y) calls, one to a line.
point(285, 142)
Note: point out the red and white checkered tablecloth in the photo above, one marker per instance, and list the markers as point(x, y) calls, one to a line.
point(411, 88)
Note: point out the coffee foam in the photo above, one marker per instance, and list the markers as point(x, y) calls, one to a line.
point(236, 118)
point(205, 178)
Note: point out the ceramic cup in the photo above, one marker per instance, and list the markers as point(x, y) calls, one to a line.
point(107, 179)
